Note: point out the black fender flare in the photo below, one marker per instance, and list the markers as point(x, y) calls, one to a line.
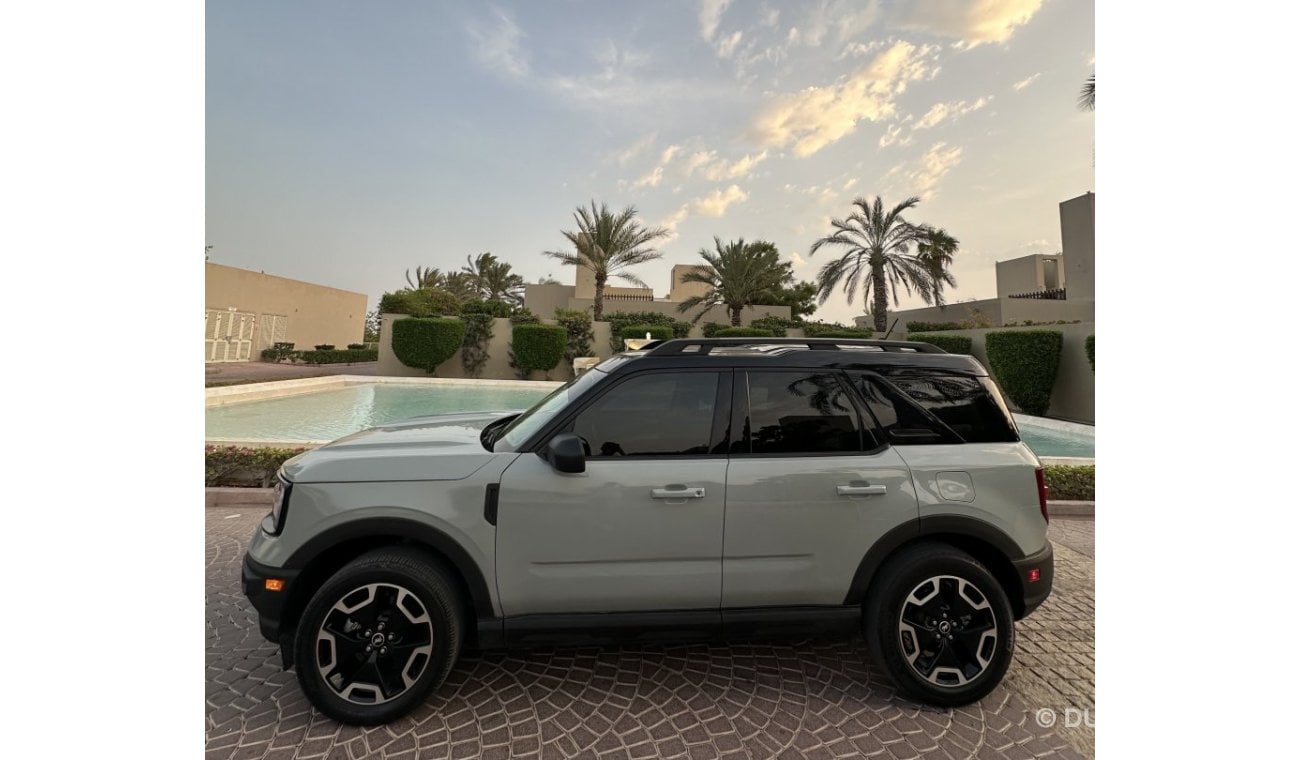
point(930, 525)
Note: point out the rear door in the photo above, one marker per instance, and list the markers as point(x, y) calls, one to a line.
point(641, 529)
point(809, 490)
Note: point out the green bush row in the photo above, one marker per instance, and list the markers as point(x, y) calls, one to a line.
point(238, 466)
point(1071, 482)
point(916, 327)
point(834, 330)
point(331, 356)
point(419, 303)
point(426, 342)
point(657, 332)
point(776, 325)
point(743, 332)
point(953, 344)
point(537, 346)
point(620, 319)
point(1025, 362)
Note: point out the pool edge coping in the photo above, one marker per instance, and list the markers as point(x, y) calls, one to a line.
point(235, 394)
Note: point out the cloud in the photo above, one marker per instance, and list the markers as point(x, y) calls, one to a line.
point(652, 179)
point(720, 170)
point(634, 150)
point(497, 45)
point(727, 45)
point(714, 204)
point(894, 135)
point(941, 111)
point(815, 117)
point(859, 49)
point(923, 177)
point(769, 17)
point(970, 22)
point(1023, 83)
point(705, 163)
point(710, 14)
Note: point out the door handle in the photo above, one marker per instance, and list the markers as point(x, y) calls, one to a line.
point(861, 490)
point(677, 493)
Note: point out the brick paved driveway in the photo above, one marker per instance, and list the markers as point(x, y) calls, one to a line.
point(810, 699)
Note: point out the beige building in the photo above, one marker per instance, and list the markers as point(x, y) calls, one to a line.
point(1037, 288)
point(248, 311)
point(543, 300)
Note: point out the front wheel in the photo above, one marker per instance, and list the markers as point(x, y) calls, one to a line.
point(940, 624)
point(378, 636)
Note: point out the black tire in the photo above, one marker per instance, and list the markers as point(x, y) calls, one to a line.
point(940, 654)
point(378, 636)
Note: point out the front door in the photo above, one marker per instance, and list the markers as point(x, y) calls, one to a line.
point(641, 529)
point(808, 490)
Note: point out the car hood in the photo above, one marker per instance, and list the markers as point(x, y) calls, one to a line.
point(441, 447)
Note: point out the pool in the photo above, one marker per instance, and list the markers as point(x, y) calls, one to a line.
point(323, 409)
point(324, 415)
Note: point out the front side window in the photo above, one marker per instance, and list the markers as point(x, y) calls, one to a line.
point(525, 425)
point(800, 413)
point(656, 414)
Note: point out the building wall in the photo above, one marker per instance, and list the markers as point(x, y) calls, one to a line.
point(680, 291)
point(316, 314)
point(1016, 310)
point(1078, 246)
point(989, 308)
point(543, 300)
point(1022, 275)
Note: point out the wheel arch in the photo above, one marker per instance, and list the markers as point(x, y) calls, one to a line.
point(985, 542)
point(325, 553)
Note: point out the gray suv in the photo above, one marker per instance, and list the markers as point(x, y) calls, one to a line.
point(694, 489)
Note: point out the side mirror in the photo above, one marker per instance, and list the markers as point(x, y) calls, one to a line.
point(566, 453)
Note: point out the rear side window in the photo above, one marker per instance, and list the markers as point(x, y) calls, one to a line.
point(800, 413)
point(967, 407)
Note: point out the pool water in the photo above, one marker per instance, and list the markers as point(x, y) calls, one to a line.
point(331, 414)
point(327, 415)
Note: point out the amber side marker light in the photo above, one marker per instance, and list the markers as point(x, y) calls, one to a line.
point(275, 584)
point(1034, 575)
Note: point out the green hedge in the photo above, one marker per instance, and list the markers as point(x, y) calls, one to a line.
point(777, 325)
point(710, 329)
point(854, 334)
point(238, 466)
point(832, 330)
point(424, 343)
point(335, 356)
point(1090, 345)
point(1024, 362)
point(419, 303)
point(1071, 482)
point(620, 319)
point(577, 326)
point(953, 344)
point(743, 332)
point(657, 332)
point(357, 346)
point(916, 327)
point(537, 346)
point(496, 308)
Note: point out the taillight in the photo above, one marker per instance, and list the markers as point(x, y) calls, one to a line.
point(1042, 492)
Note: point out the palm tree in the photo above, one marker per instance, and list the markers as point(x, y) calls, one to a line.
point(1088, 95)
point(425, 278)
point(608, 244)
point(737, 275)
point(880, 254)
point(460, 285)
point(492, 279)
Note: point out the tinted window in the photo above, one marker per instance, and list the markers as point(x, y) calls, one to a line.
point(661, 413)
point(800, 413)
point(964, 404)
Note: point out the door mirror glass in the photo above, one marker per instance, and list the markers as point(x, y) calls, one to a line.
point(565, 452)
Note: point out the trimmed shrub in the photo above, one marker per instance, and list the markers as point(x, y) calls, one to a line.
point(1024, 362)
point(577, 325)
point(776, 325)
point(240, 466)
point(1071, 482)
point(495, 308)
point(657, 332)
point(710, 329)
point(356, 346)
point(325, 347)
point(620, 319)
point(832, 330)
point(854, 334)
point(334, 356)
point(473, 349)
point(426, 342)
point(1090, 345)
point(916, 327)
point(953, 344)
point(537, 346)
point(743, 332)
point(524, 316)
point(419, 303)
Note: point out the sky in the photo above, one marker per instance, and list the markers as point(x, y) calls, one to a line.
point(348, 142)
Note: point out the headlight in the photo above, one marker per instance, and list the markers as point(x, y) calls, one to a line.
point(280, 500)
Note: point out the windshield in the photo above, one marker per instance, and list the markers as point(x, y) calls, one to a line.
point(536, 418)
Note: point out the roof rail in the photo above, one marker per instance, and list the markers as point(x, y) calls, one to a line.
point(676, 346)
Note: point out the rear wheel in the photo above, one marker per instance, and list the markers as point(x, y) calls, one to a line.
point(940, 624)
point(378, 636)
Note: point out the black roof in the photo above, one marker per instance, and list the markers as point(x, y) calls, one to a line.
point(886, 356)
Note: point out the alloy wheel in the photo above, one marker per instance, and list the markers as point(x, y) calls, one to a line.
point(948, 631)
point(374, 643)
